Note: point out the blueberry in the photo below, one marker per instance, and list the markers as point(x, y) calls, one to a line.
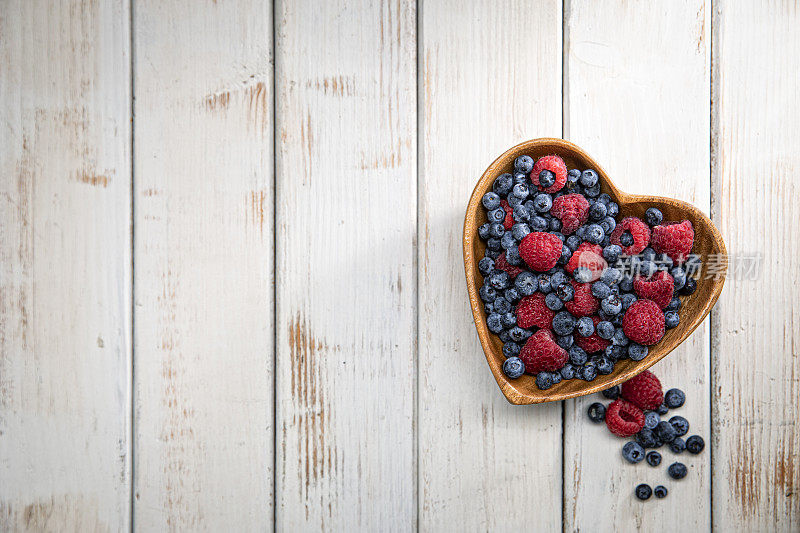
point(539, 223)
point(680, 424)
point(567, 371)
point(637, 352)
point(627, 299)
point(553, 302)
point(555, 377)
point(597, 412)
point(592, 192)
point(483, 231)
point(605, 366)
point(513, 367)
point(544, 380)
point(626, 239)
point(653, 458)
point(647, 268)
point(504, 336)
point(626, 284)
point(598, 211)
point(563, 322)
point(674, 398)
point(605, 330)
point(494, 245)
point(662, 409)
point(512, 256)
point(542, 202)
point(589, 372)
point(573, 241)
point(517, 334)
point(594, 233)
point(613, 209)
point(612, 393)
point(660, 491)
point(546, 179)
point(633, 452)
point(499, 279)
point(695, 444)
point(501, 305)
point(490, 201)
point(520, 177)
point(487, 293)
point(665, 432)
point(588, 178)
point(555, 225)
point(677, 471)
point(544, 283)
point(611, 276)
point(559, 235)
point(526, 283)
point(689, 287)
point(496, 230)
point(566, 254)
point(512, 295)
point(608, 224)
point(508, 241)
point(614, 352)
point(520, 191)
point(647, 438)
point(565, 341)
point(600, 290)
point(653, 216)
point(522, 213)
point(485, 266)
point(585, 326)
point(523, 163)
point(582, 274)
point(674, 304)
point(565, 292)
point(488, 309)
point(558, 278)
point(573, 175)
point(663, 261)
point(511, 349)
point(502, 184)
point(494, 323)
point(520, 230)
point(577, 356)
point(643, 491)
point(671, 319)
point(496, 215)
point(611, 305)
point(677, 445)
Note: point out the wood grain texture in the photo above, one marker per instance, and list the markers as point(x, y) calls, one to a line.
point(65, 266)
point(490, 76)
point(346, 183)
point(756, 468)
point(637, 94)
point(203, 272)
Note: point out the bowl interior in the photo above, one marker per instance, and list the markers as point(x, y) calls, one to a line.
point(694, 308)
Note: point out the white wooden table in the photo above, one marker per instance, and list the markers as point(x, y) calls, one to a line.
point(231, 284)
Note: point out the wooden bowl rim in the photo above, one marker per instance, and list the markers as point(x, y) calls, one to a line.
point(512, 394)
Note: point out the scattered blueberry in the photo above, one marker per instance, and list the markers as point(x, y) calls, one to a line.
point(643, 491)
point(589, 373)
point(563, 322)
point(695, 444)
point(594, 233)
point(565, 341)
point(662, 409)
point(597, 412)
point(544, 283)
point(526, 283)
point(674, 398)
point(637, 352)
point(651, 419)
point(501, 305)
point(567, 371)
point(605, 366)
point(577, 356)
point(494, 323)
point(544, 380)
point(633, 452)
point(653, 458)
point(680, 424)
point(677, 445)
point(611, 305)
point(511, 349)
point(671, 319)
point(674, 304)
point(665, 432)
point(660, 491)
point(565, 292)
point(677, 471)
point(598, 211)
point(520, 191)
point(612, 393)
point(626, 239)
point(605, 329)
point(582, 274)
point(689, 287)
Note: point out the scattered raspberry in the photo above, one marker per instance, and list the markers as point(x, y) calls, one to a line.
point(572, 210)
point(643, 390)
point(509, 220)
point(503, 264)
point(590, 256)
point(644, 322)
point(658, 288)
point(541, 353)
point(623, 418)
point(592, 343)
point(582, 303)
point(540, 250)
point(532, 311)
point(675, 239)
point(637, 229)
point(554, 164)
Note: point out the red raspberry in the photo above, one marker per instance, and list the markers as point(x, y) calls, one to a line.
point(590, 256)
point(541, 353)
point(638, 229)
point(554, 164)
point(503, 264)
point(509, 220)
point(592, 343)
point(674, 239)
point(582, 303)
point(643, 391)
point(624, 419)
point(540, 250)
point(532, 311)
point(658, 288)
point(643, 322)
point(572, 210)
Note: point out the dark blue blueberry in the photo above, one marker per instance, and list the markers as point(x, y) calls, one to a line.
point(695, 444)
point(594, 233)
point(544, 380)
point(582, 274)
point(674, 398)
point(647, 438)
point(555, 225)
point(499, 279)
point(611, 276)
point(614, 352)
point(613, 209)
point(653, 458)
point(559, 235)
point(526, 283)
point(546, 179)
point(662, 409)
point(503, 183)
point(565, 292)
point(520, 177)
point(494, 323)
point(677, 471)
point(487, 293)
point(520, 230)
point(496, 230)
point(589, 178)
point(504, 336)
point(626, 284)
point(555, 377)
point(517, 334)
point(600, 290)
point(512, 295)
point(637, 352)
point(592, 192)
point(520, 191)
point(608, 224)
point(643, 491)
point(647, 268)
point(514, 202)
point(553, 302)
point(611, 305)
point(584, 326)
point(589, 372)
point(542, 202)
point(605, 366)
point(627, 299)
point(651, 419)
point(677, 445)
point(567, 371)
point(488, 309)
point(486, 265)
point(496, 215)
point(521, 213)
point(524, 164)
point(490, 200)
point(626, 239)
point(680, 424)
point(619, 338)
point(597, 211)
point(612, 393)
point(563, 323)
point(566, 254)
point(674, 304)
point(665, 432)
point(633, 452)
point(573, 175)
point(689, 287)
point(513, 367)
point(596, 412)
point(648, 254)
point(511, 349)
point(539, 223)
point(512, 256)
point(653, 216)
point(577, 356)
point(508, 241)
point(671, 319)
point(544, 283)
point(501, 305)
point(663, 262)
point(605, 330)
point(494, 244)
point(483, 231)
point(558, 278)
point(604, 198)
point(660, 491)
point(573, 241)
point(565, 341)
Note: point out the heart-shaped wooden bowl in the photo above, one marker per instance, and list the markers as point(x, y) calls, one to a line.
point(694, 308)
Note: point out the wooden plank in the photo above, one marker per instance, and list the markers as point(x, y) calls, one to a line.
point(65, 266)
point(346, 165)
point(204, 258)
point(490, 78)
point(756, 459)
point(638, 100)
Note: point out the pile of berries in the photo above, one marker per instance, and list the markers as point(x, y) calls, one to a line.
point(636, 411)
point(568, 288)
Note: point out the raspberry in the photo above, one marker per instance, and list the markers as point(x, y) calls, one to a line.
point(623, 418)
point(659, 288)
point(582, 303)
point(541, 353)
point(531, 311)
point(590, 256)
point(509, 220)
point(643, 391)
point(554, 164)
point(540, 250)
point(643, 322)
point(503, 264)
point(638, 230)
point(592, 343)
point(674, 239)
point(572, 210)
